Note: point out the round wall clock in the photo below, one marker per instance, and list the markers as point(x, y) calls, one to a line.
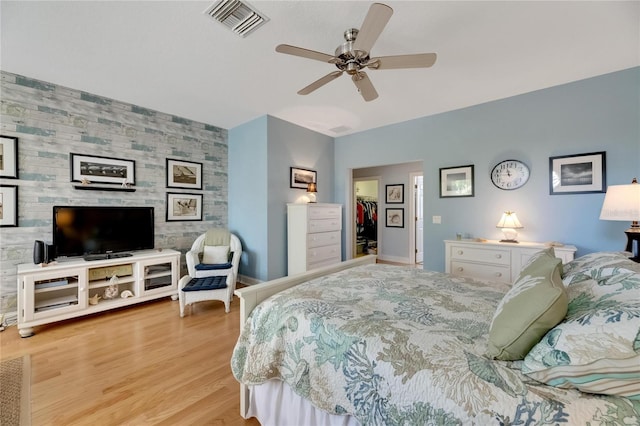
point(510, 174)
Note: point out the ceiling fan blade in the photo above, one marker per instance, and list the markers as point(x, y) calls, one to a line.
point(364, 85)
point(320, 82)
point(305, 53)
point(375, 21)
point(420, 60)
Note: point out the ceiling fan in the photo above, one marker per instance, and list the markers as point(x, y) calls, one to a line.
point(353, 55)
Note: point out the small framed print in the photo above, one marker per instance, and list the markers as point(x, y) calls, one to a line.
point(395, 218)
point(183, 207)
point(184, 174)
point(300, 178)
point(8, 157)
point(8, 205)
point(456, 181)
point(395, 194)
point(578, 174)
point(96, 169)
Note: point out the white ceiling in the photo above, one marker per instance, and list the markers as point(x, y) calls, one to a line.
point(169, 56)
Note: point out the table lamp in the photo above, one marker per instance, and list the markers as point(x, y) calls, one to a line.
point(622, 202)
point(509, 223)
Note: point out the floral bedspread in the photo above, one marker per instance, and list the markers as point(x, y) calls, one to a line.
point(403, 346)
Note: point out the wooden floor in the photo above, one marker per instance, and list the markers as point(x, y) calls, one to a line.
point(134, 366)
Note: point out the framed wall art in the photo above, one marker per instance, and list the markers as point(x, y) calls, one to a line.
point(456, 181)
point(184, 174)
point(300, 178)
point(183, 207)
point(578, 174)
point(102, 169)
point(395, 218)
point(8, 205)
point(8, 157)
point(395, 194)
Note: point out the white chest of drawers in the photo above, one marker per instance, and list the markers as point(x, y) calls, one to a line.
point(314, 236)
point(493, 260)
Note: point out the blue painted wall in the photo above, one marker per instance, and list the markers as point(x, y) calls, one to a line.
point(260, 155)
point(597, 114)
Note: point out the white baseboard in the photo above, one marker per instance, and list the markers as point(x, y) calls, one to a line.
point(248, 280)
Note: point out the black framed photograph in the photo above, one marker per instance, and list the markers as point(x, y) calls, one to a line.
point(183, 207)
point(8, 157)
point(578, 173)
point(8, 205)
point(95, 169)
point(395, 194)
point(301, 178)
point(456, 181)
point(395, 218)
point(184, 174)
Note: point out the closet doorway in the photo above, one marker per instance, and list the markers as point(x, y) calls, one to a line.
point(366, 192)
point(417, 224)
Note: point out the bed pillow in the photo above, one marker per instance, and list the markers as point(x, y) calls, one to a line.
point(596, 349)
point(215, 254)
point(598, 266)
point(535, 304)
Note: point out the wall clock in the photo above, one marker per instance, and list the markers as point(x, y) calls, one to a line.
point(510, 174)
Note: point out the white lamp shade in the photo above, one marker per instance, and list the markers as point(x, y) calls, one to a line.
point(509, 220)
point(622, 202)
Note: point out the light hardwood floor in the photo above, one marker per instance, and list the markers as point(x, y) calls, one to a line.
point(134, 366)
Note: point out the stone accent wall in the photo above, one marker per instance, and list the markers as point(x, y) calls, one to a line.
point(52, 121)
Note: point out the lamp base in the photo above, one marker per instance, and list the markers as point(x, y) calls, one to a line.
point(633, 234)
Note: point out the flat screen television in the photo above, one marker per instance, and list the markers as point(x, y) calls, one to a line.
point(97, 232)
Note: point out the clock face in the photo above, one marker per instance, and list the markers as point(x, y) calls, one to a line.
point(510, 174)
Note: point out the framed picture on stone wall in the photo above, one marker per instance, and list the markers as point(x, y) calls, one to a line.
point(184, 174)
point(8, 157)
point(8, 205)
point(183, 207)
point(95, 169)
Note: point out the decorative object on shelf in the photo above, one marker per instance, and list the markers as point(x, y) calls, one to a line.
point(300, 178)
point(395, 218)
point(125, 184)
point(456, 181)
point(111, 291)
point(510, 174)
point(102, 169)
point(184, 174)
point(94, 299)
point(395, 194)
point(84, 181)
point(8, 157)
point(183, 207)
point(311, 192)
point(509, 223)
point(8, 205)
point(622, 202)
point(127, 293)
point(577, 174)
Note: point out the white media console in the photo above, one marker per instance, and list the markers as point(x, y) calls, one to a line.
point(76, 287)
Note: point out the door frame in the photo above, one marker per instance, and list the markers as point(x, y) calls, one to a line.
point(412, 219)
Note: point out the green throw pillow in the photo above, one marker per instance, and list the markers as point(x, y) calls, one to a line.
point(536, 303)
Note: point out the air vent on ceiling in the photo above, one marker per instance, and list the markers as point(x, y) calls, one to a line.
point(241, 18)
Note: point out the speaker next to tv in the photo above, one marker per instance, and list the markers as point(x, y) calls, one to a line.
point(43, 253)
point(38, 252)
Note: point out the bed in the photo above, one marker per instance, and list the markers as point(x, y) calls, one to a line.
point(372, 344)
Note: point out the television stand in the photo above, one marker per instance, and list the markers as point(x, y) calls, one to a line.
point(75, 288)
point(92, 257)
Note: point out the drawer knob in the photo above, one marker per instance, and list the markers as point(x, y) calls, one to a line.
point(498, 274)
point(460, 252)
point(460, 269)
point(498, 256)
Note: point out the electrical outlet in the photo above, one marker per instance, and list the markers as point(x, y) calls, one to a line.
point(437, 219)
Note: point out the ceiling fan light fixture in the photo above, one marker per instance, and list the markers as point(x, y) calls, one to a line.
point(238, 16)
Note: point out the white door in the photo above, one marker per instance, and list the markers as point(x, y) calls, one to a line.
point(419, 216)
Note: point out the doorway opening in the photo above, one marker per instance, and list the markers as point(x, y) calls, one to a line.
point(366, 192)
point(417, 224)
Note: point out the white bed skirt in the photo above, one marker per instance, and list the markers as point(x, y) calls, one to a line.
point(275, 404)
